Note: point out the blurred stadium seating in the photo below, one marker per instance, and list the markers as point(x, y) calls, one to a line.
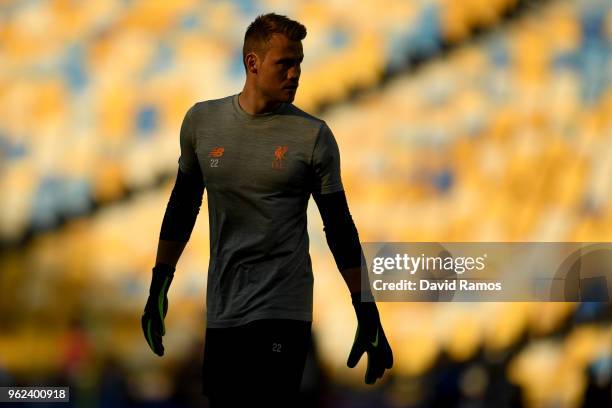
point(95, 91)
point(499, 136)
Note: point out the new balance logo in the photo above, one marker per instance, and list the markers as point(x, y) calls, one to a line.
point(216, 152)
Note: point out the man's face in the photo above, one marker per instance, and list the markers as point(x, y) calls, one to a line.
point(279, 72)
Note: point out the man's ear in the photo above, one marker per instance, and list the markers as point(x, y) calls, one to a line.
point(251, 61)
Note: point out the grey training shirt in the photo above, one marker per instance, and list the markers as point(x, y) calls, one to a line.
point(259, 171)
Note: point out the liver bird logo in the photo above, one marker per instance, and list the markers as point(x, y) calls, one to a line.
point(279, 156)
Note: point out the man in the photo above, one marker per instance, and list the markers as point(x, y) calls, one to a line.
point(260, 158)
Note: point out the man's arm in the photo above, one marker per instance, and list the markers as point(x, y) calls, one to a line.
point(342, 238)
point(169, 252)
point(180, 217)
point(343, 241)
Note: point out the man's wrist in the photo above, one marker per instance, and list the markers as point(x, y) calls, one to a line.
point(161, 278)
point(164, 268)
point(366, 312)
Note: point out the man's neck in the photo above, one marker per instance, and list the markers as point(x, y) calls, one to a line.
point(254, 104)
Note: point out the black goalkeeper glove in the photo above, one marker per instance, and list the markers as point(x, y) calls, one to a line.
point(370, 338)
point(157, 306)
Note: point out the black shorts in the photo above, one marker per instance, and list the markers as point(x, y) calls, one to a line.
point(261, 362)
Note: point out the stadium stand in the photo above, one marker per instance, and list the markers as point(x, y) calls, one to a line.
point(504, 137)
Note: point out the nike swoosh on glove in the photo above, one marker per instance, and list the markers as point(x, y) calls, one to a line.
point(370, 338)
point(152, 320)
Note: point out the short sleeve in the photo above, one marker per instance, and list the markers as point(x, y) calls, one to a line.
point(326, 163)
point(188, 161)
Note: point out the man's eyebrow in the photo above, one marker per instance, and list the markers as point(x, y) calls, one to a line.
point(301, 58)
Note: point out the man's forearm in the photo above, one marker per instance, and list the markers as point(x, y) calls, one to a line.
point(180, 217)
point(169, 252)
point(343, 239)
point(352, 278)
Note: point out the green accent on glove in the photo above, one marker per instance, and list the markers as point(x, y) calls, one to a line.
point(149, 336)
point(375, 342)
point(152, 321)
point(370, 339)
point(160, 303)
